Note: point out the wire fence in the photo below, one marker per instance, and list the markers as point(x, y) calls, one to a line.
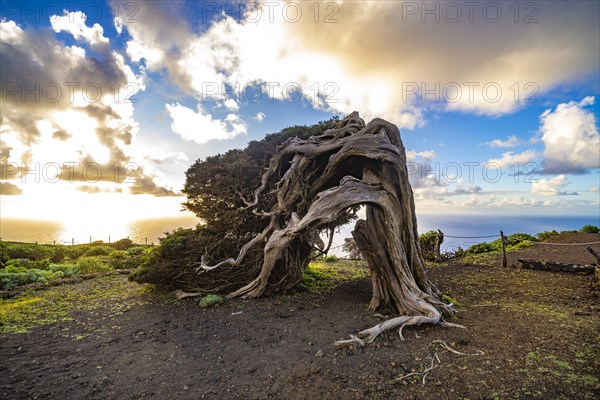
point(525, 240)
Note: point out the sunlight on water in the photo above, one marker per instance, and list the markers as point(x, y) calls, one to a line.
point(140, 231)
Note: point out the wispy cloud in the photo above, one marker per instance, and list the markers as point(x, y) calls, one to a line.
point(510, 158)
point(551, 187)
point(512, 141)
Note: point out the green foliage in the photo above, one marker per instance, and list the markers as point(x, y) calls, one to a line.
point(98, 251)
point(66, 269)
point(13, 276)
point(74, 252)
point(125, 259)
point(28, 264)
point(546, 235)
point(30, 308)
point(517, 238)
point(427, 244)
point(321, 277)
point(123, 244)
point(135, 251)
point(589, 229)
point(450, 300)
point(35, 252)
point(483, 247)
point(58, 254)
point(93, 258)
point(331, 259)
point(175, 242)
point(214, 189)
point(514, 242)
point(211, 300)
point(90, 265)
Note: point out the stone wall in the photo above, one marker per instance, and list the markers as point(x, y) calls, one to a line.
point(556, 267)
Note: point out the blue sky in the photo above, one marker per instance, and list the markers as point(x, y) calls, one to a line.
point(497, 102)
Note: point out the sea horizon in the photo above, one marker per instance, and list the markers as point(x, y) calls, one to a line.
point(469, 228)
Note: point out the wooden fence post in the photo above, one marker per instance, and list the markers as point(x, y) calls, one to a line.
point(504, 262)
point(438, 244)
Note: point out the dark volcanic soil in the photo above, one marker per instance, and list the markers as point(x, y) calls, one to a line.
point(539, 332)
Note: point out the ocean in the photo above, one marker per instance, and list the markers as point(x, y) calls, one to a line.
point(484, 225)
point(140, 231)
point(150, 230)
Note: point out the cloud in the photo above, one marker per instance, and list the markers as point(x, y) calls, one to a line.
point(427, 155)
point(371, 56)
point(570, 137)
point(9, 189)
point(201, 127)
point(551, 187)
point(593, 189)
point(168, 157)
point(260, 116)
point(510, 159)
point(426, 181)
point(76, 111)
point(118, 22)
point(74, 23)
point(512, 141)
point(231, 105)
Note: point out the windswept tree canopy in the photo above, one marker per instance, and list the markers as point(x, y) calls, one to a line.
point(311, 184)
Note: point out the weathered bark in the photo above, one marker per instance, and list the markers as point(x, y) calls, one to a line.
point(439, 239)
point(319, 184)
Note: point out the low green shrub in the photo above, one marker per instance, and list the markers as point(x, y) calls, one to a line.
point(90, 265)
point(98, 251)
point(331, 259)
point(211, 300)
point(135, 251)
point(589, 229)
point(13, 276)
point(427, 244)
point(28, 264)
point(546, 235)
point(35, 252)
point(66, 269)
point(74, 252)
point(483, 247)
point(123, 244)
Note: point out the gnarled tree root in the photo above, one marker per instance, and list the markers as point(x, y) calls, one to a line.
point(400, 322)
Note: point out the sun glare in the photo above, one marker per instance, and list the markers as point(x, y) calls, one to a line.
point(85, 215)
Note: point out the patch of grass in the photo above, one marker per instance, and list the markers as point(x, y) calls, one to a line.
point(529, 307)
point(450, 300)
point(589, 380)
point(211, 300)
point(534, 356)
point(552, 365)
point(11, 313)
point(60, 303)
point(563, 364)
point(490, 258)
point(90, 265)
point(321, 277)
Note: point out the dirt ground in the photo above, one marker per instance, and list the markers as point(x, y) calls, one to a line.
point(539, 332)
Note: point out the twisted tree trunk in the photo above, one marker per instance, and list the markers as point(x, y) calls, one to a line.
point(320, 183)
